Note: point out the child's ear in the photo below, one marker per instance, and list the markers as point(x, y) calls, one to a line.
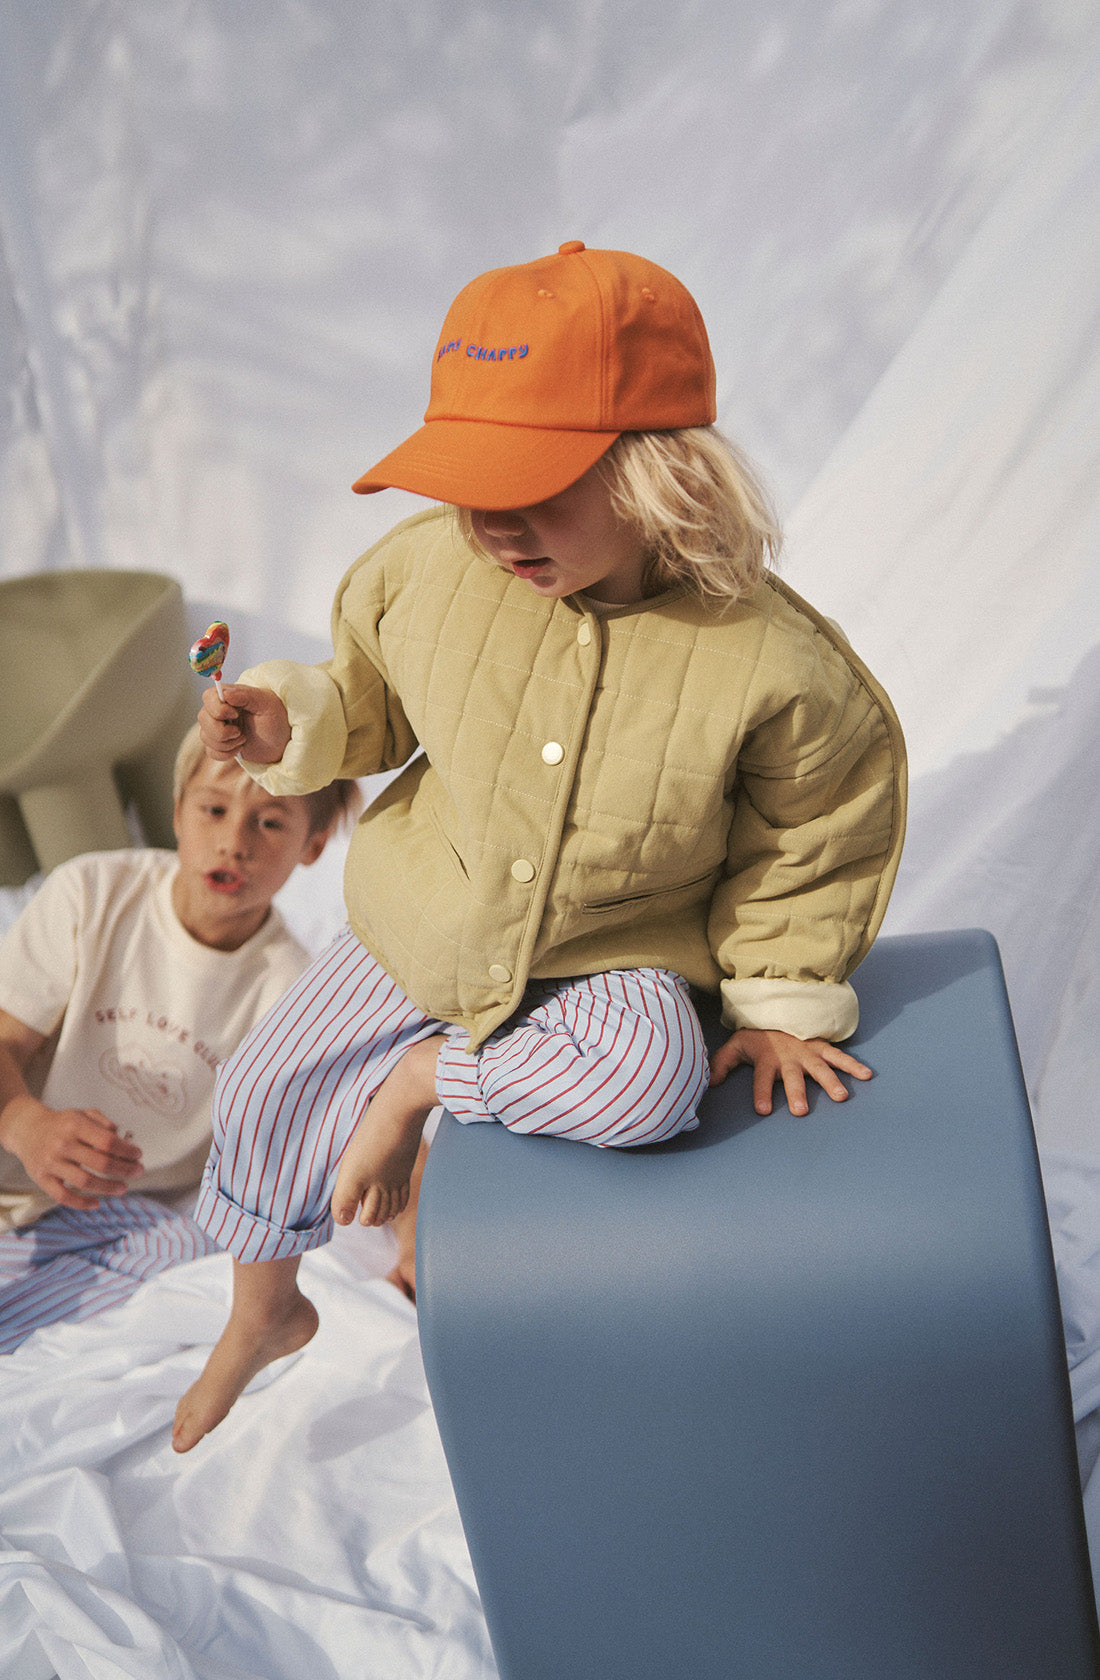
point(176, 819)
point(314, 846)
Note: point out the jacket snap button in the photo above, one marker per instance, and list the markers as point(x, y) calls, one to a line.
point(497, 971)
point(522, 870)
point(553, 752)
point(584, 634)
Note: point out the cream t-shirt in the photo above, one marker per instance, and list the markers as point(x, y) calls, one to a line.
point(137, 1013)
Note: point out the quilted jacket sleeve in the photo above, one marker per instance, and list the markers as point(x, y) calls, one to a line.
point(813, 848)
point(345, 719)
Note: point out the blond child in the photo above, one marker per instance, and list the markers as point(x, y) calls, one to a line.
point(125, 982)
point(646, 766)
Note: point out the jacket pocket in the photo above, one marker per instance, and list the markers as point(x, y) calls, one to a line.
point(450, 851)
point(627, 901)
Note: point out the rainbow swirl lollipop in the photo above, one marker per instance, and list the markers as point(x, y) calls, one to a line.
point(208, 653)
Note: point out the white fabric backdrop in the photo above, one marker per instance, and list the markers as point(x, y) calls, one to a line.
point(229, 232)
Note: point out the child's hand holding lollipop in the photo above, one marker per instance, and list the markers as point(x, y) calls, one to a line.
point(236, 721)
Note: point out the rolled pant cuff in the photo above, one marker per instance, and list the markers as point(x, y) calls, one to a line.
point(456, 1083)
point(249, 1236)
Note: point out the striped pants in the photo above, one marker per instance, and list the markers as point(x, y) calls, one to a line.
point(612, 1059)
point(71, 1263)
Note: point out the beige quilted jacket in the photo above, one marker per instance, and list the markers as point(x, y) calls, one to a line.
point(718, 795)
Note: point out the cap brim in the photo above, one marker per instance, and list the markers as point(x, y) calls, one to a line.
point(481, 464)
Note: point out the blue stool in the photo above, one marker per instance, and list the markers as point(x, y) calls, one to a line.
point(784, 1399)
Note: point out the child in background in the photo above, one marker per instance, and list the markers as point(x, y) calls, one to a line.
point(646, 765)
point(123, 984)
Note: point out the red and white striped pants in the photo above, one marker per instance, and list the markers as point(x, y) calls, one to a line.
point(612, 1059)
point(75, 1262)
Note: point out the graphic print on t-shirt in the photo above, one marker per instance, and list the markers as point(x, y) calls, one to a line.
point(148, 1085)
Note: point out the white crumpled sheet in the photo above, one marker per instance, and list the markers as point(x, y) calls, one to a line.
point(313, 1536)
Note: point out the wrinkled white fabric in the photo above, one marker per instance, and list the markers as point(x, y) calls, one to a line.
point(315, 1533)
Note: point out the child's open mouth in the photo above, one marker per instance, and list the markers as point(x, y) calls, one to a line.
point(522, 567)
point(224, 880)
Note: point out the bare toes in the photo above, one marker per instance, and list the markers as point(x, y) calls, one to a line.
point(344, 1203)
point(187, 1428)
point(368, 1212)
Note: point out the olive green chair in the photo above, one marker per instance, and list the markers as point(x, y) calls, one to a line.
point(96, 693)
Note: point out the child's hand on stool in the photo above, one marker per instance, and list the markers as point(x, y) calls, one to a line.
point(777, 1055)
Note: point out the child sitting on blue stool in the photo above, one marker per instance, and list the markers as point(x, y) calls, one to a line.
point(645, 765)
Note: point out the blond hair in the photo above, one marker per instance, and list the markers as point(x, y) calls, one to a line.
point(702, 511)
point(329, 807)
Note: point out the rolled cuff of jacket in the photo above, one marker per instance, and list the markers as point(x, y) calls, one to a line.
point(803, 1008)
point(315, 752)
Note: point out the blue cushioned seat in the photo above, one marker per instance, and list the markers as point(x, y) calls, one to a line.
point(785, 1399)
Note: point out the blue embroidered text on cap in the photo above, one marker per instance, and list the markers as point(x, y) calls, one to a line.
point(506, 353)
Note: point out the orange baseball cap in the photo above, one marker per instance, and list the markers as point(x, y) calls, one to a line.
point(538, 370)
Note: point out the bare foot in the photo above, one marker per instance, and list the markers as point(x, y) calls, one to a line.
point(377, 1168)
point(403, 1275)
point(245, 1346)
